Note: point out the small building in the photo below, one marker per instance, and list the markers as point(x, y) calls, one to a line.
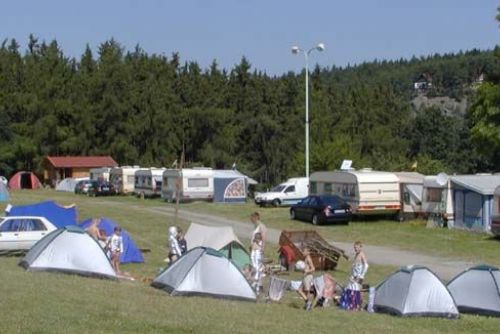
point(473, 201)
point(423, 83)
point(59, 168)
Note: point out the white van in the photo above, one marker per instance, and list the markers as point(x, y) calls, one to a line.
point(287, 193)
point(123, 179)
point(189, 183)
point(100, 174)
point(148, 181)
point(368, 192)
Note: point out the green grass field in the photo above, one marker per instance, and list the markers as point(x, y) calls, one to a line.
point(58, 303)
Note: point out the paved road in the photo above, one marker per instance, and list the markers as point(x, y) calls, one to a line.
point(445, 268)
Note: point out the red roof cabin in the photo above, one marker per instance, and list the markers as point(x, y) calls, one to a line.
point(58, 168)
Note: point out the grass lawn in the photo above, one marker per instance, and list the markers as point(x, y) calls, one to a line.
point(59, 303)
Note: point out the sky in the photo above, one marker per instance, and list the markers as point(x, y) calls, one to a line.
point(261, 30)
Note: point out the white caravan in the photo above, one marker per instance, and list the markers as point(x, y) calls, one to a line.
point(189, 183)
point(368, 192)
point(100, 174)
point(148, 181)
point(286, 193)
point(123, 179)
point(437, 201)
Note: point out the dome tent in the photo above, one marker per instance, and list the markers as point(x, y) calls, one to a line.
point(221, 238)
point(69, 250)
point(24, 180)
point(477, 290)
point(414, 291)
point(131, 253)
point(206, 272)
point(57, 214)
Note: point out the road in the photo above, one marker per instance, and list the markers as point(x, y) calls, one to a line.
point(445, 268)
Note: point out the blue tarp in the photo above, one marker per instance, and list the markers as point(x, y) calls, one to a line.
point(131, 252)
point(58, 215)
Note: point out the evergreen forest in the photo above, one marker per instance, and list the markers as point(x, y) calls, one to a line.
point(149, 110)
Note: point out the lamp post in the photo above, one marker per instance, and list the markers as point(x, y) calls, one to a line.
point(297, 50)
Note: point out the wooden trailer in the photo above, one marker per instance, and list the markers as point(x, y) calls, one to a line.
point(324, 255)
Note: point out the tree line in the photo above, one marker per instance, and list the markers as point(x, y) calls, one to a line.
point(145, 109)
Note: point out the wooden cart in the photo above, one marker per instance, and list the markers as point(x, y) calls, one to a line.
point(324, 255)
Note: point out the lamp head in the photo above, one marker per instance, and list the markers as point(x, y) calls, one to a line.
point(320, 47)
point(295, 49)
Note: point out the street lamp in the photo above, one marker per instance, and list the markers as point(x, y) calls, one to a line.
point(297, 50)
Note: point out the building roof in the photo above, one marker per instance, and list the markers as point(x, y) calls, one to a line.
point(482, 184)
point(410, 177)
point(90, 161)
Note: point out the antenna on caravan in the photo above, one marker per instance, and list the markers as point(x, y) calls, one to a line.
point(442, 179)
point(346, 165)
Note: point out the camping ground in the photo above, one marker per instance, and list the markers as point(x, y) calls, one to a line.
point(51, 303)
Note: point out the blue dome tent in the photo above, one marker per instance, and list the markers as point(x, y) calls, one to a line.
point(131, 253)
point(57, 214)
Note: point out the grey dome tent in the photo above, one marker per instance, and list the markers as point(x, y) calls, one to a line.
point(221, 238)
point(414, 291)
point(69, 250)
point(69, 184)
point(204, 272)
point(477, 290)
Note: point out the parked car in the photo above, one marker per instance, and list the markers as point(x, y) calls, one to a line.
point(101, 188)
point(19, 233)
point(82, 187)
point(320, 209)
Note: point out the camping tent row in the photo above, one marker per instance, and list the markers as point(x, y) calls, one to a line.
point(417, 291)
point(461, 201)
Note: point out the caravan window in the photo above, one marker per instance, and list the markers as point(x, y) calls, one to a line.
point(198, 183)
point(327, 188)
point(314, 187)
point(434, 195)
point(149, 180)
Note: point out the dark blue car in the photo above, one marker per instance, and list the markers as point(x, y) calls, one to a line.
point(320, 209)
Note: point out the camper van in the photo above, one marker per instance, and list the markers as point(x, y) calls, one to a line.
point(437, 203)
point(100, 174)
point(189, 183)
point(411, 186)
point(123, 179)
point(368, 192)
point(287, 193)
point(148, 181)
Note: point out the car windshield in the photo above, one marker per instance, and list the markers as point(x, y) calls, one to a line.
point(278, 188)
point(330, 200)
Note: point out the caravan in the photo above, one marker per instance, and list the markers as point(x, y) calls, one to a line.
point(123, 179)
point(368, 192)
point(100, 174)
point(437, 203)
point(411, 186)
point(189, 184)
point(148, 182)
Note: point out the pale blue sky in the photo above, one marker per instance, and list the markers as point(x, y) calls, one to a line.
point(262, 30)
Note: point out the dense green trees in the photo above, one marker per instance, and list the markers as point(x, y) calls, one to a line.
point(145, 109)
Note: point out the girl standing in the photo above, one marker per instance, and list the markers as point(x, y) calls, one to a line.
point(351, 297)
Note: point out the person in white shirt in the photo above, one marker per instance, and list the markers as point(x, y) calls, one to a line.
point(115, 246)
point(173, 243)
point(259, 228)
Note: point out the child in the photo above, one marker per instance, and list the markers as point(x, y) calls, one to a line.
point(256, 257)
point(351, 297)
point(174, 249)
point(115, 245)
point(182, 242)
point(305, 288)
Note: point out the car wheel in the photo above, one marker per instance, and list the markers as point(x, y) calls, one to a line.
point(315, 220)
point(292, 214)
point(276, 202)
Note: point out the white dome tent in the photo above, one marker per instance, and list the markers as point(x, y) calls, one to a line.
point(414, 291)
point(206, 272)
point(69, 250)
point(477, 290)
